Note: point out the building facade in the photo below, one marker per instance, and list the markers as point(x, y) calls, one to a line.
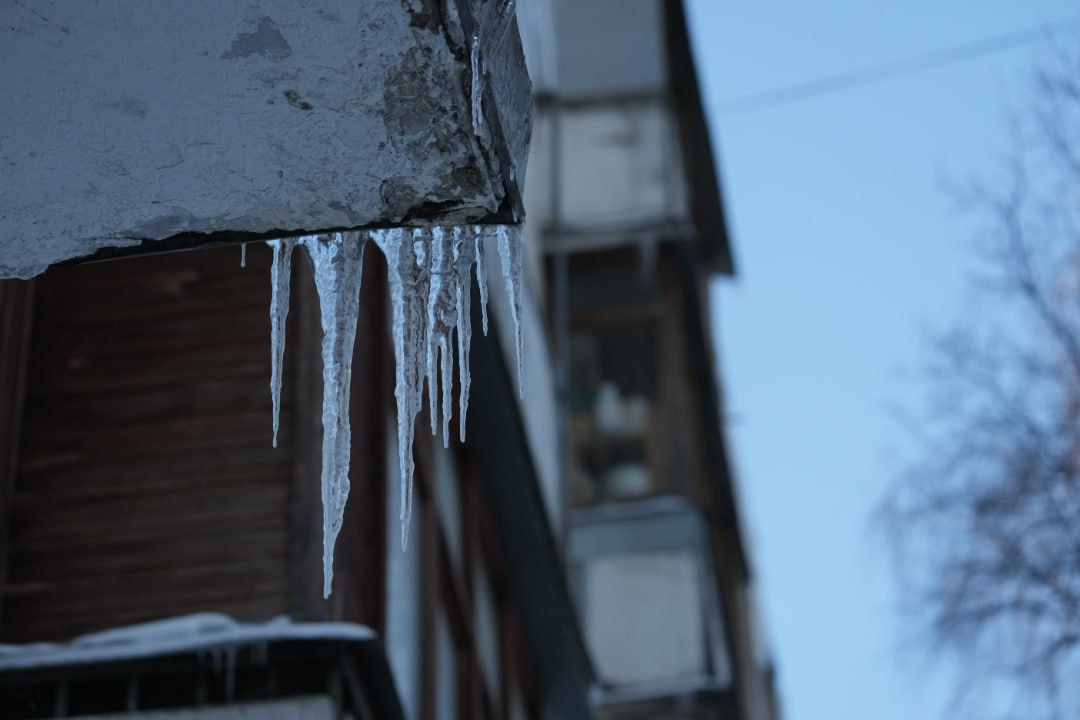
point(625, 209)
point(578, 555)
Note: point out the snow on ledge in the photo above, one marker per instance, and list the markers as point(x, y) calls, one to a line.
point(188, 633)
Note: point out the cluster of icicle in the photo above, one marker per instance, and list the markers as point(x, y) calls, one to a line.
point(430, 273)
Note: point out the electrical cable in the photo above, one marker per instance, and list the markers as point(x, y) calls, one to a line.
point(873, 74)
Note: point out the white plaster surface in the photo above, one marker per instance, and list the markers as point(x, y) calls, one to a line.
point(621, 166)
point(643, 617)
point(127, 120)
point(539, 411)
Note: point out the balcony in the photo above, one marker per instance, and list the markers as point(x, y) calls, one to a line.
point(644, 583)
point(631, 399)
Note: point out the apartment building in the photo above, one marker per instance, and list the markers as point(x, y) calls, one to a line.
point(625, 208)
point(578, 555)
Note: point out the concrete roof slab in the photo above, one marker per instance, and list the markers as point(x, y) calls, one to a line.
point(124, 121)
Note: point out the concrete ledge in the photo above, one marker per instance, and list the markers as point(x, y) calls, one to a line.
point(126, 122)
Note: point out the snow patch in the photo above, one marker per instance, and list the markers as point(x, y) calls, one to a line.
point(213, 633)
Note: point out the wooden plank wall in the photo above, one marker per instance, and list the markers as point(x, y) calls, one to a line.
point(146, 482)
point(16, 312)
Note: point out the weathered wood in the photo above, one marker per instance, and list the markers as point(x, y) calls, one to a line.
point(154, 406)
point(87, 524)
point(146, 484)
point(305, 508)
point(199, 122)
point(148, 475)
point(45, 564)
point(16, 310)
point(607, 319)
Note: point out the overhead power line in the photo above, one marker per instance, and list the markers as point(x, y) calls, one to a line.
point(873, 74)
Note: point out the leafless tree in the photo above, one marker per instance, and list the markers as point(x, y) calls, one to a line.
point(986, 521)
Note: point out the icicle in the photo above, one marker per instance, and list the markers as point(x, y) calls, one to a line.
point(337, 260)
point(435, 282)
point(447, 381)
point(481, 273)
point(510, 242)
point(430, 277)
point(280, 273)
point(406, 289)
point(464, 253)
point(441, 320)
point(477, 89)
point(243, 255)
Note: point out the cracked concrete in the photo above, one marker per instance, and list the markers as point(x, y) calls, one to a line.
point(161, 119)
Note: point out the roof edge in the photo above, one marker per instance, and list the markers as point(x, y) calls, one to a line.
point(706, 196)
point(534, 564)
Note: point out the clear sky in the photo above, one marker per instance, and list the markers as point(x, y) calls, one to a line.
point(848, 249)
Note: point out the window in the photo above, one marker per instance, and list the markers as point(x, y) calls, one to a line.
point(644, 601)
point(613, 401)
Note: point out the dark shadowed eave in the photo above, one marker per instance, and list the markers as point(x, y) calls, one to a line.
point(706, 197)
point(534, 564)
point(713, 252)
point(704, 375)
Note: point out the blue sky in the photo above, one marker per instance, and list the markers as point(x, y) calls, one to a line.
point(848, 250)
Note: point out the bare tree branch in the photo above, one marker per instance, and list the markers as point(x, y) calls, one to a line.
point(985, 522)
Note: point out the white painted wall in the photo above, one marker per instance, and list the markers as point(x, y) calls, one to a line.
point(610, 48)
point(446, 680)
point(643, 617)
point(538, 408)
point(486, 625)
point(621, 165)
point(403, 583)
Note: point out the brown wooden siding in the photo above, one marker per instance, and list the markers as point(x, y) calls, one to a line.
point(16, 311)
point(146, 482)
